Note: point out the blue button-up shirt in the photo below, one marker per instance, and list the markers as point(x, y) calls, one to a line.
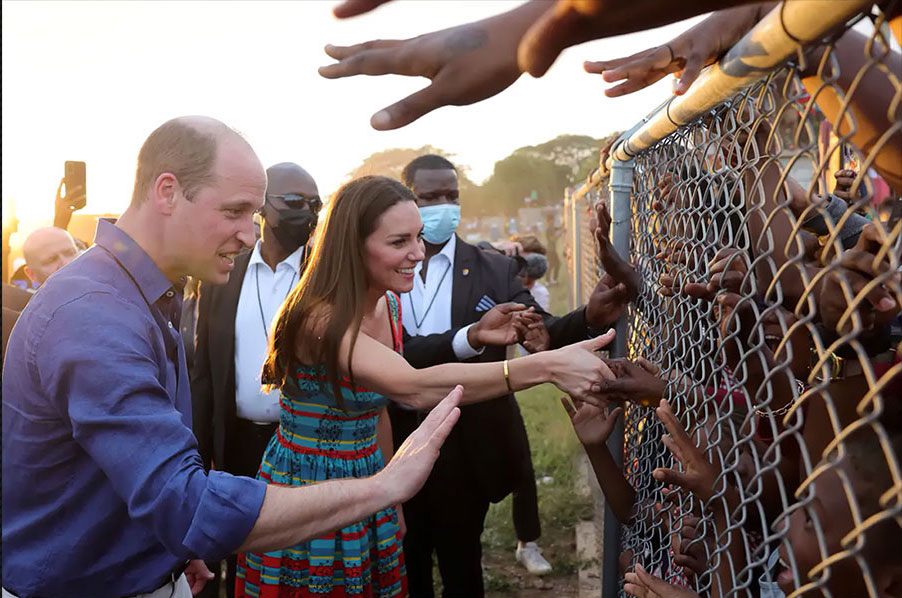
point(103, 489)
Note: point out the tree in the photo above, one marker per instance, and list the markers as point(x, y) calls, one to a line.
point(391, 163)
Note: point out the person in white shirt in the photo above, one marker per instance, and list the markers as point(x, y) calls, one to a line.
point(486, 457)
point(536, 266)
point(233, 418)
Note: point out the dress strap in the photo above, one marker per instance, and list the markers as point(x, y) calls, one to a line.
point(394, 314)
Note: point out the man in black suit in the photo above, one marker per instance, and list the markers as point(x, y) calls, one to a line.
point(233, 418)
point(483, 459)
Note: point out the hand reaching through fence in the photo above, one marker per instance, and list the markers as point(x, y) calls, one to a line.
point(532, 332)
point(497, 327)
point(641, 584)
point(466, 64)
point(699, 475)
point(637, 382)
point(684, 56)
point(593, 426)
point(867, 280)
point(611, 261)
point(726, 271)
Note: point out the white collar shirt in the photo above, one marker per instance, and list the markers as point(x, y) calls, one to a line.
point(262, 293)
point(426, 309)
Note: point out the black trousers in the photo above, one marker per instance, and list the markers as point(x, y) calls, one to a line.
point(243, 456)
point(525, 502)
point(446, 517)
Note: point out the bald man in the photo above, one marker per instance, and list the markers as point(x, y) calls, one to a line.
point(46, 250)
point(233, 419)
point(104, 492)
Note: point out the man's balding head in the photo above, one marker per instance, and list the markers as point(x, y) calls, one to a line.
point(288, 177)
point(186, 147)
point(46, 250)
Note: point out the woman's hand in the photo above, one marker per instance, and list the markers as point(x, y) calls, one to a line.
point(577, 370)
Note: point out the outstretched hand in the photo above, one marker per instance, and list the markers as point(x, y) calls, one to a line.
point(699, 475)
point(592, 424)
point(532, 332)
point(684, 56)
point(497, 327)
point(412, 462)
point(642, 584)
point(466, 64)
point(637, 382)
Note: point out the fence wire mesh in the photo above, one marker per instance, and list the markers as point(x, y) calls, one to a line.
point(767, 234)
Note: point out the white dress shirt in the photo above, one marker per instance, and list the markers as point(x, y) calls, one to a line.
point(251, 342)
point(426, 309)
point(541, 295)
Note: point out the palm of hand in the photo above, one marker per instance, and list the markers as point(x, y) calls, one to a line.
point(592, 424)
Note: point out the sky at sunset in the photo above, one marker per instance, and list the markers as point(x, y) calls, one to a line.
point(90, 80)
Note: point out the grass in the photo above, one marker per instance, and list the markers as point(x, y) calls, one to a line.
point(554, 447)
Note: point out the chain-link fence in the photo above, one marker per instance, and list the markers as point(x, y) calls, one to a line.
point(767, 234)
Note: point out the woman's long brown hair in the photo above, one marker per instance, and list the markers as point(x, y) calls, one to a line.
point(334, 283)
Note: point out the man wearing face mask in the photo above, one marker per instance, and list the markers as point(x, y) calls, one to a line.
point(233, 419)
point(487, 455)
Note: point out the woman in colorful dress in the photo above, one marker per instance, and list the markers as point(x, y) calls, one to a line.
point(336, 356)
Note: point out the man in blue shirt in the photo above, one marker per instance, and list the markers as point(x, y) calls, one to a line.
point(104, 493)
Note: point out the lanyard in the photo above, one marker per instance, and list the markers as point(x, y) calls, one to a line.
point(429, 307)
point(260, 302)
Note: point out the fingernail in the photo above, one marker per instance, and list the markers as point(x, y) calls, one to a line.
point(658, 475)
point(886, 304)
point(381, 120)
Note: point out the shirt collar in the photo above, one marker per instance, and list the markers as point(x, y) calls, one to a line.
point(447, 251)
point(144, 271)
point(293, 260)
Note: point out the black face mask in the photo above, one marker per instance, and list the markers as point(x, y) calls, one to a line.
point(294, 225)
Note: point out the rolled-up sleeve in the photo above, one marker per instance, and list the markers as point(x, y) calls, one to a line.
point(106, 378)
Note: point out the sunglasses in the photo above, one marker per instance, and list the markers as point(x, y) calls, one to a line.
point(296, 202)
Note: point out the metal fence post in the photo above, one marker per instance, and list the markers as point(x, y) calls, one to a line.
point(576, 252)
point(621, 186)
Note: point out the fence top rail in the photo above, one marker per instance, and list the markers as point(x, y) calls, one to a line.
point(762, 50)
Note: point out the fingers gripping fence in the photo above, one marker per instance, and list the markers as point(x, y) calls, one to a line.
point(770, 298)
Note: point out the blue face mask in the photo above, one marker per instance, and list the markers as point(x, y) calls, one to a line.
point(439, 222)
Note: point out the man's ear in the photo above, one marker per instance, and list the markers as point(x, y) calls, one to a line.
point(30, 274)
point(165, 193)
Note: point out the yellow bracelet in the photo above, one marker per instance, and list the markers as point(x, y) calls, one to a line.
point(507, 376)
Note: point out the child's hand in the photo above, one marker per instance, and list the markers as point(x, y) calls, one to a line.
point(592, 424)
point(643, 584)
point(699, 476)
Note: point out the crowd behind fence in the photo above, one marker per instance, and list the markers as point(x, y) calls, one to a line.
point(767, 237)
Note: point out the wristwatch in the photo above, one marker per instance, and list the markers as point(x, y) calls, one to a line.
point(841, 368)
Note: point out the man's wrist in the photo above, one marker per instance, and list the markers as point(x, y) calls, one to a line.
point(462, 345)
point(473, 337)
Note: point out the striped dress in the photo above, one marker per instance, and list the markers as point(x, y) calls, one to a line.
point(318, 440)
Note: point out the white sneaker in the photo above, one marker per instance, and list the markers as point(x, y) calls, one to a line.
point(530, 556)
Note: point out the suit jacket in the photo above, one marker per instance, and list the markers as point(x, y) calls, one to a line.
point(213, 374)
point(489, 430)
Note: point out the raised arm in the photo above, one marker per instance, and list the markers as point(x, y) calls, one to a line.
point(292, 515)
point(575, 369)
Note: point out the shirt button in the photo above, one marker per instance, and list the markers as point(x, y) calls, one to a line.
point(170, 324)
point(170, 294)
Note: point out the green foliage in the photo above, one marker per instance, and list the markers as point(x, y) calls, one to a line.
point(542, 170)
point(391, 163)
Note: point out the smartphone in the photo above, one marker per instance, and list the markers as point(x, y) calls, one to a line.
point(75, 177)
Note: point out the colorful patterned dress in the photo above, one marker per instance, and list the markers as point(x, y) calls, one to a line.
point(318, 440)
